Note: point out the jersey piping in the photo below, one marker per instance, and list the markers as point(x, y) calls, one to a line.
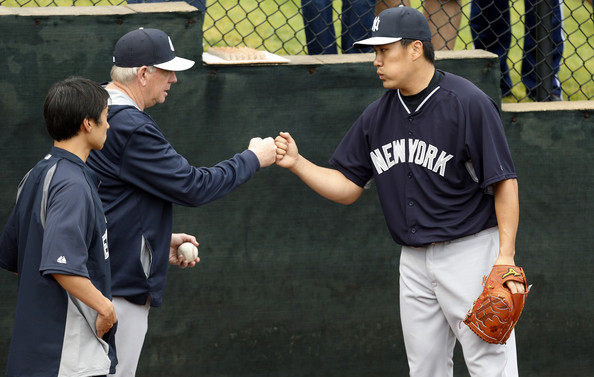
point(420, 105)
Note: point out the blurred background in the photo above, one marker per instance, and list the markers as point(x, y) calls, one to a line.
point(545, 47)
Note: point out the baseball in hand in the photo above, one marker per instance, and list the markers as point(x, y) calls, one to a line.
point(188, 250)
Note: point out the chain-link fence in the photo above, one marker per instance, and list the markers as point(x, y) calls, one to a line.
point(545, 46)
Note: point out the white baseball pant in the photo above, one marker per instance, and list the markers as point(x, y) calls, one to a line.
point(130, 334)
point(438, 285)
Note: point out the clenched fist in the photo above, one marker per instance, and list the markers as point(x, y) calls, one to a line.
point(265, 150)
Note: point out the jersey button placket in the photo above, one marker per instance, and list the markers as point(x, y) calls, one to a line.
point(412, 227)
point(411, 217)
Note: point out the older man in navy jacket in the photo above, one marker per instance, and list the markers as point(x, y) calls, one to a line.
point(142, 176)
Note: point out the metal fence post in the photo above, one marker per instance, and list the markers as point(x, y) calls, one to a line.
point(544, 49)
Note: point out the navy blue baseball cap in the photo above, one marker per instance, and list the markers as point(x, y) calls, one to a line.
point(148, 47)
point(394, 24)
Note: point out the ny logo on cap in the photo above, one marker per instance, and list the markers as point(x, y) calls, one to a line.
point(375, 26)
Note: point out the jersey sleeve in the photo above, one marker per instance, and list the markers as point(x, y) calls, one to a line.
point(487, 143)
point(9, 245)
point(68, 226)
point(352, 156)
point(151, 163)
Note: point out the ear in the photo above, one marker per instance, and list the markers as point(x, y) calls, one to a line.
point(416, 49)
point(141, 75)
point(86, 126)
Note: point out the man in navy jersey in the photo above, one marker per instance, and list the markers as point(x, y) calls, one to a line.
point(56, 241)
point(435, 147)
point(142, 176)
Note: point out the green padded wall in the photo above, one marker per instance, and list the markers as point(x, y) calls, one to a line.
point(290, 284)
point(554, 157)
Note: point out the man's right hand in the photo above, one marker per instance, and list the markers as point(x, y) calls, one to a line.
point(286, 152)
point(106, 318)
point(82, 288)
point(330, 183)
point(265, 150)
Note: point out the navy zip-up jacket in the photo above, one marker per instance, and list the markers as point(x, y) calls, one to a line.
point(141, 177)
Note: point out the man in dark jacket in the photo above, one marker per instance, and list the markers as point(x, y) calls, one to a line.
point(142, 176)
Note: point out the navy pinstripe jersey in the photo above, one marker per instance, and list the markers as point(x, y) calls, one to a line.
point(57, 226)
point(433, 165)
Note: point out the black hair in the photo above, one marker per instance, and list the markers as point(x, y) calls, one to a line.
point(69, 102)
point(428, 50)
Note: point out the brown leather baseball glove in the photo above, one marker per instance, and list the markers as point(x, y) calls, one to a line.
point(495, 313)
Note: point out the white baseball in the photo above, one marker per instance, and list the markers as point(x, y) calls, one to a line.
point(188, 250)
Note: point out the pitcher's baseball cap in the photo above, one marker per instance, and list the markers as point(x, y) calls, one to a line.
point(148, 47)
point(394, 24)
